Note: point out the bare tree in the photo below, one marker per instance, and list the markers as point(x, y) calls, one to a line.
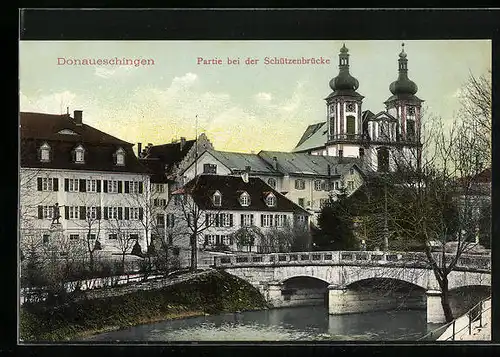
point(120, 232)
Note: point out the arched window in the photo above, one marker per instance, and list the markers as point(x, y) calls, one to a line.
point(272, 182)
point(217, 199)
point(271, 200)
point(245, 199)
point(120, 157)
point(45, 152)
point(351, 126)
point(383, 160)
point(79, 154)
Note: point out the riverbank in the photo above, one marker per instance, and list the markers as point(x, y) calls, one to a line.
point(211, 293)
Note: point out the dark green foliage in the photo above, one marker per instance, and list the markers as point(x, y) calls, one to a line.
point(215, 292)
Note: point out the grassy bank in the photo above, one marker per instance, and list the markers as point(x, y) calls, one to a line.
point(211, 293)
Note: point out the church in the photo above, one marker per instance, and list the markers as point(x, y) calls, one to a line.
point(383, 141)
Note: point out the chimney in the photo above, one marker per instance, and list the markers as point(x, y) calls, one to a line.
point(247, 169)
point(275, 162)
point(77, 116)
point(139, 150)
point(183, 142)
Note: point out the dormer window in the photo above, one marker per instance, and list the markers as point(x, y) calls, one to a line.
point(271, 200)
point(217, 199)
point(79, 155)
point(120, 157)
point(45, 152)
point(245, 199)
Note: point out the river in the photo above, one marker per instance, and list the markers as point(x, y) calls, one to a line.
point(285, 324)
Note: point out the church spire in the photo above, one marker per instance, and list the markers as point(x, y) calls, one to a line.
point(403, 85)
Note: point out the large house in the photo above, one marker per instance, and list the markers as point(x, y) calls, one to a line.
point(80, 182)
point(381, 140)
point(307, 180)
point(216, 208)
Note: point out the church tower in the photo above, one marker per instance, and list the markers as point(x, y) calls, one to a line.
point(406, 107)
point(344, 125)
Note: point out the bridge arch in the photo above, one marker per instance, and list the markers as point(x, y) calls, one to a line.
point(383, 283)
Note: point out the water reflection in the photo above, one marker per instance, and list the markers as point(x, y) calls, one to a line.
point(288, 324)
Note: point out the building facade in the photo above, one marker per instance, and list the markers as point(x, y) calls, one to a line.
point(84, 184)
point(382, 141)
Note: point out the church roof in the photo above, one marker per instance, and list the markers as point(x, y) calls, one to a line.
point(315, 136)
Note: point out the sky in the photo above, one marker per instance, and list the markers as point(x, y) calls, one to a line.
point(241, 107)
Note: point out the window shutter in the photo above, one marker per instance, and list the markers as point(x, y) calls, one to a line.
point(82, 212)
point(120, 187)
point(206, 239)
point(173, 220)
point(127, 188)
point(140, 187)
point(40, 212)
point(55, 186)
point(66, 212)
point(105, 212)
point(231, 220)
point(98, 185)
point(39, 183)
point(251, 219)
point(262, 220)
point(127, 212)
point(141, 213)
point(83, 185)
point(206, 220)
point(105, 186)
point(241, 220)
point(155, 202)
point(98, 215)
point(217, 219)
point(66, 184)
point(120, 212)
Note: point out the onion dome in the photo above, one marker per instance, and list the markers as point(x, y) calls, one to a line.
point(344, 80)
point(403, 85)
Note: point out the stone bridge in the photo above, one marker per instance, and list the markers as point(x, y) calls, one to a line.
point(351, 282)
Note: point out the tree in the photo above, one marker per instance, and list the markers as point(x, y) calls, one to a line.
point(120, 229)
point(485, 225)
point(288, 238)
point(336, 224)
point(247, 236)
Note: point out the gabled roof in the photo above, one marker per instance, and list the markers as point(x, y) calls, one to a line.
point(202, 188)
point(305, 164)
point(169, 154)
point(238, 161)
point(315, 136)
point(383, 115)
point(39, 128)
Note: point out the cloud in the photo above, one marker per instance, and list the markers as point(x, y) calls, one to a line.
point(54, 103)
point(263, 97)
point(118, 71)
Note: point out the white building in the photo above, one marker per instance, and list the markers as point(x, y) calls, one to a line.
point(304, 179)
point(215, 207)
point(382, 141)
point(94, 178)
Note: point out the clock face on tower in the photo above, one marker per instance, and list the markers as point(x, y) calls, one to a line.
point(350, 107)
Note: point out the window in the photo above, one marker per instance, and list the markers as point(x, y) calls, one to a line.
point(246, 220)
point(301, 202)
point(410, 129)
point(133, 187)
point(48, 211)
point(411, 111)
point(80, 154)
point(300, 219)
point(112, 186)
point(383, 160)
point(47, 184)
point(45, 238)
point(92, 212)
point(318, 185)
point(351, 126)
point(351, 171)
point(300, 184)
point(160, 220)
point(134, 236)
point(244, 199)
point(272, 182)
point(112, 236)
point(45, 152)
point(74, 237)
point(279, 220)
point(209, 239)
point(159, 188)
point(134, 212)
point(91, 185)
point(210, 169)
point(226, 219)
point(271, 200)
point(113, 212)
point(73, 185)
point(91, 236)
point(217, 199)
point(350, 185)
point(170, 239)
point(120, 157)
point(170, 220)
point(73, 212)
point(336, 185)
point(266, 220)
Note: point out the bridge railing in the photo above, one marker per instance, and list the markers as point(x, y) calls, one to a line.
point(414, 259)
